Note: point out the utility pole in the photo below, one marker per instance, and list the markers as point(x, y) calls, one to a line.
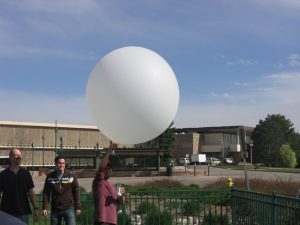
point(55, 137)
point(32, 162)
point(61, 145)
point(251, 146)
point(244, 154)
point(43, 141)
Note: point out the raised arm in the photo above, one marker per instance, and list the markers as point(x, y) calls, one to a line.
point(105, 158)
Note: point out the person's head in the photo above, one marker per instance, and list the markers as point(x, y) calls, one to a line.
point(107, 171)
point(15, 157)
point(60, 163)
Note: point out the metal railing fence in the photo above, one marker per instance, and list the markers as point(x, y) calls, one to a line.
point(178, 207)
point(161, 208)
point(252, 208)
point(191, 207)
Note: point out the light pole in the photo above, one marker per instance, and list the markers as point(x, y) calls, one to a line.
point(55, 137)
point(244, 155)
point(43, 140)
point(223, 149)
point(251, 146)
point(97, 155)
point(32, 147)
point(78, 161)
point(61, 145)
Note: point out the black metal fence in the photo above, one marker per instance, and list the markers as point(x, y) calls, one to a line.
point(264, 209)
point(196, 207)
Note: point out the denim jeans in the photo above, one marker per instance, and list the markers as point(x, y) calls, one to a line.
point(24, 218)
point(68, 215)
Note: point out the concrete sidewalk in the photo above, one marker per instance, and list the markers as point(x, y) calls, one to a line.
point(86, 183)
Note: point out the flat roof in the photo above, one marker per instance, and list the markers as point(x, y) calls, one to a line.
point(213, 129)
point(34, 124)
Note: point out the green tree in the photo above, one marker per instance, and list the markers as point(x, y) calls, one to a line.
point(294, 141)
point(287, 156)
point(165, 141)
point(268, 137)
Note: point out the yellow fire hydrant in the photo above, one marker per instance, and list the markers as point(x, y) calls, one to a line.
point(230, 183)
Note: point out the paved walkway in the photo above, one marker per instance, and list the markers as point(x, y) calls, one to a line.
point(215, 174)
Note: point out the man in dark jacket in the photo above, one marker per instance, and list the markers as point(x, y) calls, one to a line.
point(63, 189)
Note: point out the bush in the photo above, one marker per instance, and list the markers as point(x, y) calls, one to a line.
point(146, 207)
point(127, 219)
point(155, 217)
point(191, 208)
point(287, 157)
point(211, 219)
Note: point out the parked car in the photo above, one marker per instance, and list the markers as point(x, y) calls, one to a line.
point(4, 162)
point(228, 160)
point(213, 161)
point(184, 161)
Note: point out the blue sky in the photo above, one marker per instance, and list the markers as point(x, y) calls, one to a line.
point(235, 61)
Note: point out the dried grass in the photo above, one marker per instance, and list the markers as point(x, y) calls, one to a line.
point(160, 183)
point(286, 187)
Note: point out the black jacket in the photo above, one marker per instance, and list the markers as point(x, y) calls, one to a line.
point(64, 193)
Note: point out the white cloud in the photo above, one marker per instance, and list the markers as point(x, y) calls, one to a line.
point(55, 6)
point(278, 65)
point(20, 106)
point(242, 84)
point(292, 4)
point(294, 60)
point(272, 94)
point(222, 95)
point(243, 62)
point(23, 51)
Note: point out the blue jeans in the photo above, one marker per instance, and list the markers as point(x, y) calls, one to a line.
point(68, 215)
point(24, 218)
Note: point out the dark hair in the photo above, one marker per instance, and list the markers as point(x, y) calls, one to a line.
point(109, 165)
point(57, 158)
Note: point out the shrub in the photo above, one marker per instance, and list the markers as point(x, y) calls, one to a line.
point(211, 219)
point(191, 208)
point(287, 156)
point(155, 217)
point(146, 207)
point(126, 217)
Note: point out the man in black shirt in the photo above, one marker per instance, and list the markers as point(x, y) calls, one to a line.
point(16, 185)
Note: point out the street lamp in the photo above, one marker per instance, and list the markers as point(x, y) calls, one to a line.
point(223, 149)
point(32, 147)
point(55, 137)
point(61, 145)
point(251, 146)
point(43, 140)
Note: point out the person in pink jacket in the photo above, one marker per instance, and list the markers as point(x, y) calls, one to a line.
point(106, 196)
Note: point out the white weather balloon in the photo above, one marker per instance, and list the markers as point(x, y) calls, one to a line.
point(132, 94)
